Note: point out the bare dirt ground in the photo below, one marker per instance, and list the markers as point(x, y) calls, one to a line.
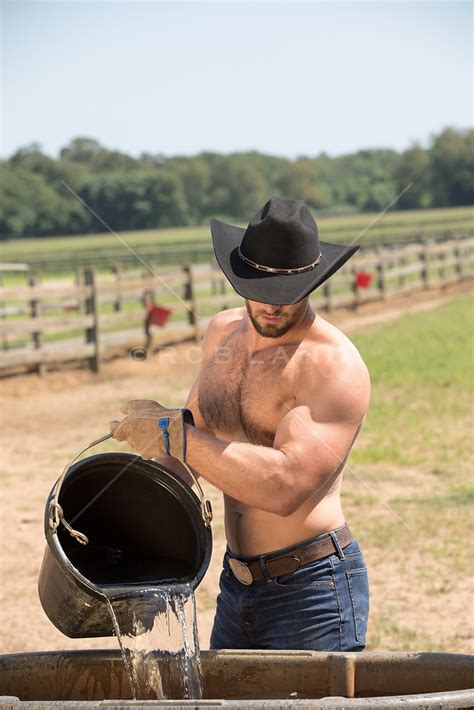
point(45, 420)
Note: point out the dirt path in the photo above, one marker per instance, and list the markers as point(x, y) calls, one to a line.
point(45, 420)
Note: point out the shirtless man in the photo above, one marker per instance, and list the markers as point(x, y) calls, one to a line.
point(278, 403)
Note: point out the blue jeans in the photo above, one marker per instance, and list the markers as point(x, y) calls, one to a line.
point(323, 606)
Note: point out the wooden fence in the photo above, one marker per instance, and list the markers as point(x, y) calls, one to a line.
point(42, 324)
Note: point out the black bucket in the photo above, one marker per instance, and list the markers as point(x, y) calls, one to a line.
point(145, 528)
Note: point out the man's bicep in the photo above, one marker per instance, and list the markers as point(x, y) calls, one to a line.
point(317, 434)
point(312, 448)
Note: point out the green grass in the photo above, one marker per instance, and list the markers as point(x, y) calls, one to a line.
point(421, 375)
point(422, 350)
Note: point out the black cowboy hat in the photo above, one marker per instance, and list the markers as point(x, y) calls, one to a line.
point(279, 258)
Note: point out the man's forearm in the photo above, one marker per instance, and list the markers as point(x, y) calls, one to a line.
point(175, 466)
point(253, 474)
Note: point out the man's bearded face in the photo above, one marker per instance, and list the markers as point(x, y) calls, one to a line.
point(274, 321)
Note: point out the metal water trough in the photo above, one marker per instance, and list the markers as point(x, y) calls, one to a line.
point(246, 679)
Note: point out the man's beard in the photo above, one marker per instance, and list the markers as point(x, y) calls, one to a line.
point(276, 330)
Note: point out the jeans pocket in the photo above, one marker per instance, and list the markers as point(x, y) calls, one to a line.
point(358, 582)
point(312, 575)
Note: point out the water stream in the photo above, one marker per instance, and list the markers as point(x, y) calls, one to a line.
point(157, 632)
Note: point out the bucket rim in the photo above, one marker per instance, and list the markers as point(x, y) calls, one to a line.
point(143, 466)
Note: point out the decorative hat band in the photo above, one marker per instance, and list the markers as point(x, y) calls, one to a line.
point(273, 270)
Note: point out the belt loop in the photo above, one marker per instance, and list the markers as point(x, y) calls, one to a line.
point(337, 545)
point(263, 567)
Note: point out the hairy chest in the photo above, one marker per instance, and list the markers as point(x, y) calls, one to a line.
point(247, 394)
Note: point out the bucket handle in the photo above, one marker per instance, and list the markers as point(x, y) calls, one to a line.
point(56, 513)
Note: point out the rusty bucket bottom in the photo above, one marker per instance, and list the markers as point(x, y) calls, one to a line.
point(246, 679)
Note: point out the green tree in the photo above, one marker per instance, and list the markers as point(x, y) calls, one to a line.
point(38, 197)
point(195, 178)
point(452, 168)
point(29, 206)
point(415, 168)
point(235, 190)
point(140, 199)
point(88, 153)
point(300, 180)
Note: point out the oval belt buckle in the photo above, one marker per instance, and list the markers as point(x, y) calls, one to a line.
point(240, 571)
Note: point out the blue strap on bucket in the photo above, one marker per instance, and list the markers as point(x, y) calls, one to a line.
point(163, 423)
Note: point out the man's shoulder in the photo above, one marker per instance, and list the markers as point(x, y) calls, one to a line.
point(220, 325)
point(229, 315)
point(335, 373)
point(221, 321)
point(330, 354)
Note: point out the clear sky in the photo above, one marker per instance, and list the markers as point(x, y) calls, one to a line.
point(287, 78)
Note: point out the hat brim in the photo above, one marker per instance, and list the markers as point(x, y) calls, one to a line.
point(267, 287)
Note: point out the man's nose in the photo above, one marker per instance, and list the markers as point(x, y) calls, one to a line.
point(271, 309)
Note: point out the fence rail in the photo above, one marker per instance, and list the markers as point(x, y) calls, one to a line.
point(43, 324)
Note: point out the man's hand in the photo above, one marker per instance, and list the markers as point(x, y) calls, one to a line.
point(152, 429)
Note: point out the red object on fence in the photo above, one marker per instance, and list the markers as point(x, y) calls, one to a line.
point(157, 315)
point(363, 279)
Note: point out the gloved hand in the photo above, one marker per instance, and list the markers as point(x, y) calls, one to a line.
point(152, 429)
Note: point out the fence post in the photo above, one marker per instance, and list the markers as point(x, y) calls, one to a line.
point(148, 276)
point(355, 288)
point(91, 307)
point(424, 257)
point(402, 261)
point(34, 279)
point(117, 270)
point(442, 268)
point(458, 265)
point(381, 282)
point(219, 283)
point(2, 306)
point(190, 297)
point(214, 281)
point(327, 290)
point(79, 280)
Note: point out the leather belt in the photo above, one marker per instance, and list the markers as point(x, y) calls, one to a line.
point(276, 565)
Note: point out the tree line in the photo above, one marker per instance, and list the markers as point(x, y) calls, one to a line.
point(37, 196)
